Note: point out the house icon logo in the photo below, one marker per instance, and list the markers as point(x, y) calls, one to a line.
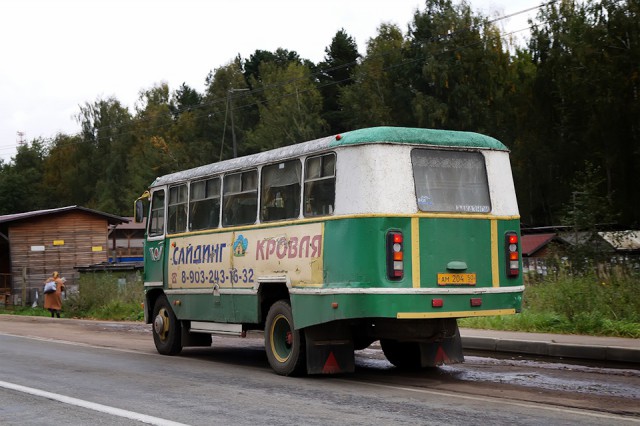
point(240, 246)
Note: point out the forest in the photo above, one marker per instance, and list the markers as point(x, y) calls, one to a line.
point(565, 102)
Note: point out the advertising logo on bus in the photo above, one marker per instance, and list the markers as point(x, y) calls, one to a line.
point(155, 253)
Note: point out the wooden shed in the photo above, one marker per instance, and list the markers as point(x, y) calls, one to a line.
point(34, 244)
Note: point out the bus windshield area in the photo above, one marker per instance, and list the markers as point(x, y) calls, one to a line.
point(450, 181)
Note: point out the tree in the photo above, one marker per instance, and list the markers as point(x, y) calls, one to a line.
point(100, 160)
point(463, 69)
point(185, 99)
point(585, 95)
point(21, 180)
point(375, 97)
point(281, 58)
point(290, 112)
point(588, 212)
point(228, 93)
point(335, 72)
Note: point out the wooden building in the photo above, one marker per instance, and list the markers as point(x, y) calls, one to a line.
point(34, 244)
point(127, 241)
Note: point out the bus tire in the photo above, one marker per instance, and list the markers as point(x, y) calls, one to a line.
point(283, 343)
point(403, 355)
point(166, 328)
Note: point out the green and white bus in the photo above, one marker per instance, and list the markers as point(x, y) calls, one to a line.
point(381, 234)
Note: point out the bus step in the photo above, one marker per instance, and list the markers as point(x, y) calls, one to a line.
point(216, 328)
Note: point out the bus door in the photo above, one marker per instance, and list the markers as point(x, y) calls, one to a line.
point(154, 248)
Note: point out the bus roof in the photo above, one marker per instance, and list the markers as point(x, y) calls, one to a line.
point(386, 134)
point(409, 135)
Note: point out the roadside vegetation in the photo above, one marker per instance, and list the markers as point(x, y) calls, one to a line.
point(575, 304)
point(99, 296)
point(604, 304)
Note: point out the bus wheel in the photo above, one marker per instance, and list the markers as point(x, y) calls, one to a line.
point(404, 355)
point(284, 344)
point(166, 328)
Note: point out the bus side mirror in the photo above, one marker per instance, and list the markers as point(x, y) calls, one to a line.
point(139, 211)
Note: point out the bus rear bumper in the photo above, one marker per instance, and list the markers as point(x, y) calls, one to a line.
point(317, 307)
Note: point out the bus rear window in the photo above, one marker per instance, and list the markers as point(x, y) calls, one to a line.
point(450, 181)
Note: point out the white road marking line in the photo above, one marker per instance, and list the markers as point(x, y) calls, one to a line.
point(91, 405)
point(500, 401)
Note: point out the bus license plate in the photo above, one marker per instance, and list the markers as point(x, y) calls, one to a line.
point(456, 279)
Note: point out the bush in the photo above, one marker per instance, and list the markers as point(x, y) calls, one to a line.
point(103, 296)
point(579, 304)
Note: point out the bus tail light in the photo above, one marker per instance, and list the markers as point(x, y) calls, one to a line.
point(512, 254)
point(395, 255)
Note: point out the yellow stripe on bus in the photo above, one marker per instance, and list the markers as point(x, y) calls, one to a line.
point(495, 261)
point(460, 314)
point(347, 216)
point(415, 251)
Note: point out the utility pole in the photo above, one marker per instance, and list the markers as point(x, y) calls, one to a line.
point(21, 138)
point(230, 108)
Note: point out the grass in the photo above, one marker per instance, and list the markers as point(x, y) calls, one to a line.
point(99, 296)
point(592, 304)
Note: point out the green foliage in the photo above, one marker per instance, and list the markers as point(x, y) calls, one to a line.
point(101, 296)
point(575, 304)
point(373, 98)
point(21, 187)
point(291, 108)
point(336, 73)
point(585, 215)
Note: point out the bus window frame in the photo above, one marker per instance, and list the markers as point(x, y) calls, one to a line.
point(185, 204)
point(242, 191)
point(276, 203)
point(191, 201)
point(306, 210)
point(158, 236)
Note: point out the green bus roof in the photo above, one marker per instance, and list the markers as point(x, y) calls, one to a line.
point(419, 136)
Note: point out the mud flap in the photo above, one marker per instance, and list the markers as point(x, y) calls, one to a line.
point(329, 355)
point(194, 339)
point(446, 351)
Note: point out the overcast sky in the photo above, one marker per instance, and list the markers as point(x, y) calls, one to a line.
point(59, 54)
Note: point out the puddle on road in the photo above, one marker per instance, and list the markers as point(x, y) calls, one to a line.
point(551, 376)
point(533, 374)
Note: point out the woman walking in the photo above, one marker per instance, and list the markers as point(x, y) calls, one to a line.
point(53, 300)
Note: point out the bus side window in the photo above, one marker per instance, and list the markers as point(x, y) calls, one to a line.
point(204, 205)
point(177, 209)
point(320, 185)
point(280, 196)
point(240, 198)
point(156, 222)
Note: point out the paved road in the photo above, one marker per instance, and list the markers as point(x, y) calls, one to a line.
point(112, 369)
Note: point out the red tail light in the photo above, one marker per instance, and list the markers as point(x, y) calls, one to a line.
point(512, 257)
point(395, 255)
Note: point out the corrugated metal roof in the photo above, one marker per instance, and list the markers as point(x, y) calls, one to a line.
point(131, 224)
point(112, 219)
point(534, 242)
point(622, 240)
